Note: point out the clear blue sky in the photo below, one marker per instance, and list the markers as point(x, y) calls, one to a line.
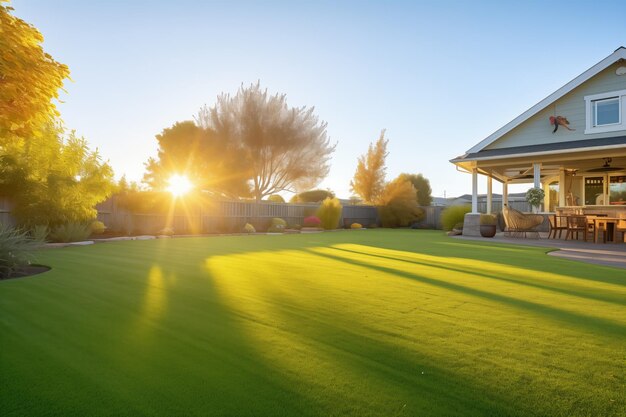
point(439, 76)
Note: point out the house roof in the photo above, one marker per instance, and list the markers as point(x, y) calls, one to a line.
point(517, 151)
point(620, 53)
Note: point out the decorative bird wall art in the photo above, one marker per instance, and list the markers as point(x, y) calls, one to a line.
point(557, 121)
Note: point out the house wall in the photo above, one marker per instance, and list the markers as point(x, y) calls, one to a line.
point(537, 130)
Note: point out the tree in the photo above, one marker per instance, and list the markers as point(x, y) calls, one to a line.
point(283, 148)
point(55, 179)
point(312, 196)
point(29, 80)
point(422, 187)
point(210, 164)
point(398, 206)
point(276, 198)
point(369, 178)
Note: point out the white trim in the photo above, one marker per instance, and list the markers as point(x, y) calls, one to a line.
point(522, 155)
point(591, 110)
point(619, 53)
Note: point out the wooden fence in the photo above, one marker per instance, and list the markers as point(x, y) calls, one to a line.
point(231, 216)
point(222, 217)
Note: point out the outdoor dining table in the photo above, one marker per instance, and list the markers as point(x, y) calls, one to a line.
point(608, 224)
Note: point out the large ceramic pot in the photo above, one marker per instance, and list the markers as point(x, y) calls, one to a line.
point(487, 230)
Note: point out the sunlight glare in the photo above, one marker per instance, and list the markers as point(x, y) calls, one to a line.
point(179, 185)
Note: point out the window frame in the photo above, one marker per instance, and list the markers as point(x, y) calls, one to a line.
point(591, 112)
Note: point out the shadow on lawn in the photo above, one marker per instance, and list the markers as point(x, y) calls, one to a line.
point(598, 326)
point(524, 277)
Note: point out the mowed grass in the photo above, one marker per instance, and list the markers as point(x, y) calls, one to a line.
point(361, 323)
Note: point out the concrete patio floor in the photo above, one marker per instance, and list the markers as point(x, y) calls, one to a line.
point(609, 254)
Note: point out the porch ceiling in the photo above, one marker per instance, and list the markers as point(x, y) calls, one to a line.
point(521, 169)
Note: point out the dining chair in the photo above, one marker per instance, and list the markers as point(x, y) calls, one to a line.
point(575, 225)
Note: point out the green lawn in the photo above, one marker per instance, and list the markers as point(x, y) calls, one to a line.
point(362, 323)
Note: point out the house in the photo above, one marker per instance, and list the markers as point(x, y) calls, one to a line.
point(572, 144)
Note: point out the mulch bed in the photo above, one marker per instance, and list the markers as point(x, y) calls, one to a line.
point(27, 271)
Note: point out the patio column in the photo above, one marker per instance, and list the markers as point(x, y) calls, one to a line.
point(561, 187)
point(489, 194)
point(474, 190)
point(537, 174)
point(505, 194)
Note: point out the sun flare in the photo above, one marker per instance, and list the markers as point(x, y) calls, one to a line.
point(179, 185)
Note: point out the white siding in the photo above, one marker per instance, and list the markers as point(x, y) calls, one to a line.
point(537, 130)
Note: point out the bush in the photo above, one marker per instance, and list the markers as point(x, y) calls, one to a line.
point(329, 213)
point(70, 232)
point(313, 196)
point(166, 231)
point(356, 226)
point(487, 219)
point(248, 228)
point(277, 225)
point(16, 249)
point(40, 232)
point(453, 215)
point(97, 227)
point(276, 198)
point(296, 227)
point(399, 205)
point(312, 221)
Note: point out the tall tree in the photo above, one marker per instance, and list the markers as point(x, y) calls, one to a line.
point(209, 163)
point(29, 80)
point(284, 148)
point(422, 188)
point(369, 178)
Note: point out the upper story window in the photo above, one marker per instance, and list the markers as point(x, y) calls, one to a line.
point(606, 112)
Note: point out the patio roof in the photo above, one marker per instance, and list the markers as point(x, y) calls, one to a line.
point(558, 147)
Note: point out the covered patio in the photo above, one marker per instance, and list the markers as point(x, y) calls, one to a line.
point(572, 144)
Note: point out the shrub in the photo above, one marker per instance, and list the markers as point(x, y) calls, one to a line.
point(453, 215)
point(166, 231)
point(312, 221)
point(248, 228)
point(313, 196)
point(277, 225)
point(70, 232)
point(399, 205)
point(97, 227)
point(40, 232)
point(296, 227)
point(329, 213)
point(487, 219)
point(276, 198)
point(16, 249)
point(356, 226)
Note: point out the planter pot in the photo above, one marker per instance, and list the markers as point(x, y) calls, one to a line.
point(487, 230)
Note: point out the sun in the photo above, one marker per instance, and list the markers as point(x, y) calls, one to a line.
point(179, 185)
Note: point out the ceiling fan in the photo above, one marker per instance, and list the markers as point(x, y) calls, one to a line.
point(606, 167)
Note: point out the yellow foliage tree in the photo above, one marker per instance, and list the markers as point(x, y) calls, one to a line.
point(29, 81)
point(398, 206)
point(369, 178)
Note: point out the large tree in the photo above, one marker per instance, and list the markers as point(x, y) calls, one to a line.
point(210, 163)
point(369, 178)
point(283, 148)
point(29, 81)
point(422, 188)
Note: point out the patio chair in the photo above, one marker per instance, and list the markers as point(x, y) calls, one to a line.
point(576, 225)
point(621, 226)
point(557, 224)
point(518, 223)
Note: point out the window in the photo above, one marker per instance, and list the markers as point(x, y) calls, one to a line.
point(606, 112)
point(594, 191)
point(617, 190)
